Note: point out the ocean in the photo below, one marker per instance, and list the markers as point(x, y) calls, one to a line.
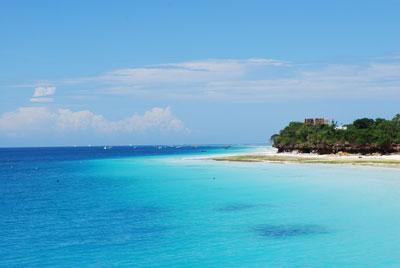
point(159, 206)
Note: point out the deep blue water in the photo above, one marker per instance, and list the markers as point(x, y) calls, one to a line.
point(152, 206)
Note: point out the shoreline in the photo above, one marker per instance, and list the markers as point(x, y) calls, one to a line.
point(272, 156)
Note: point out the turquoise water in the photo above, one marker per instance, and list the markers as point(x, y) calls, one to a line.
point(165, 210)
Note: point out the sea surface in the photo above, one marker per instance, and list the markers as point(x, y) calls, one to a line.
point(157, 206)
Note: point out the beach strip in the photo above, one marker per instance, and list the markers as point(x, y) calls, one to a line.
point(370, 160)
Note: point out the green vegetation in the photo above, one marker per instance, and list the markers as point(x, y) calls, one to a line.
point(362, 136)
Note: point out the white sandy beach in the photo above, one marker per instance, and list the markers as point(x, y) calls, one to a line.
point(270, 154)
point(273, 152)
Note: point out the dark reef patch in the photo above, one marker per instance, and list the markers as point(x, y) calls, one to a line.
point(291, 230)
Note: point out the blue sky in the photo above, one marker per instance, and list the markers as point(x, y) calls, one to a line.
point(151, 72)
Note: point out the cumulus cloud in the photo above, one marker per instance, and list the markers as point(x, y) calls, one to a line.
point(44, 91)
point(28, 119)
point(42, 94)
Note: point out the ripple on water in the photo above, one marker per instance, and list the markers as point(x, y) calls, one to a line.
point(236, 207)
point(291, 230)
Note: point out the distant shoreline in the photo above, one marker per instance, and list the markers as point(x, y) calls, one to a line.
point(392, 160)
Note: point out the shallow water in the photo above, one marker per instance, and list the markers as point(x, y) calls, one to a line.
point(153, 207)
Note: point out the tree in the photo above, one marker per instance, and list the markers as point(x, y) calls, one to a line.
point(363, 123)
point(364, 135)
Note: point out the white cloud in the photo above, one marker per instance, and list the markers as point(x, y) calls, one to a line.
point(28, 119)
point(42, 94)
point(31, 119)
point(181, 73)
point(44, 91)
point(250, 80)
point(41, 100)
